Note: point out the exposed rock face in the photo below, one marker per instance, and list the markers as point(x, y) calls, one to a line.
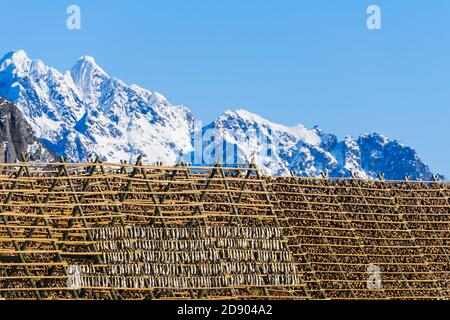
point(16, 136)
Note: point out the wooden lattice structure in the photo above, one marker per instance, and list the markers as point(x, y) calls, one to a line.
point(341, 231)
point(106, 231)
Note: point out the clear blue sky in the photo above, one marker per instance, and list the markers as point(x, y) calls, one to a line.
point(292, 61)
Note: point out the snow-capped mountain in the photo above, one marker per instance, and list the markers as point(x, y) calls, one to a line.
point(85, 111)
point(240, 136)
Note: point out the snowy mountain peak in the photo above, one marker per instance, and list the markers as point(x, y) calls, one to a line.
point(18, 60)
point(377, 137)
point(87, 64)
point(87, 76)
point(87, 59)
point(249, 118)
point(16, 56)
point(85, 111)
point(246, 120)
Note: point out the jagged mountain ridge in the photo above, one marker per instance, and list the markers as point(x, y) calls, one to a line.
point(280, 150)
point(85, 111)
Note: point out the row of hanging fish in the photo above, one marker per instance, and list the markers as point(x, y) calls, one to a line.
point(81, 269)
point(258, 280)
point(191, 269)
point(245, 232)
point(263, 268)
point(141, 282)
point(249, 244)
point(161, 257)
point(195, 282)
point(137, 232)
point(165, 269)
point(112, 282)
point(157, 245)
point(207, 255)
point(127, 244)
point(256, 255)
